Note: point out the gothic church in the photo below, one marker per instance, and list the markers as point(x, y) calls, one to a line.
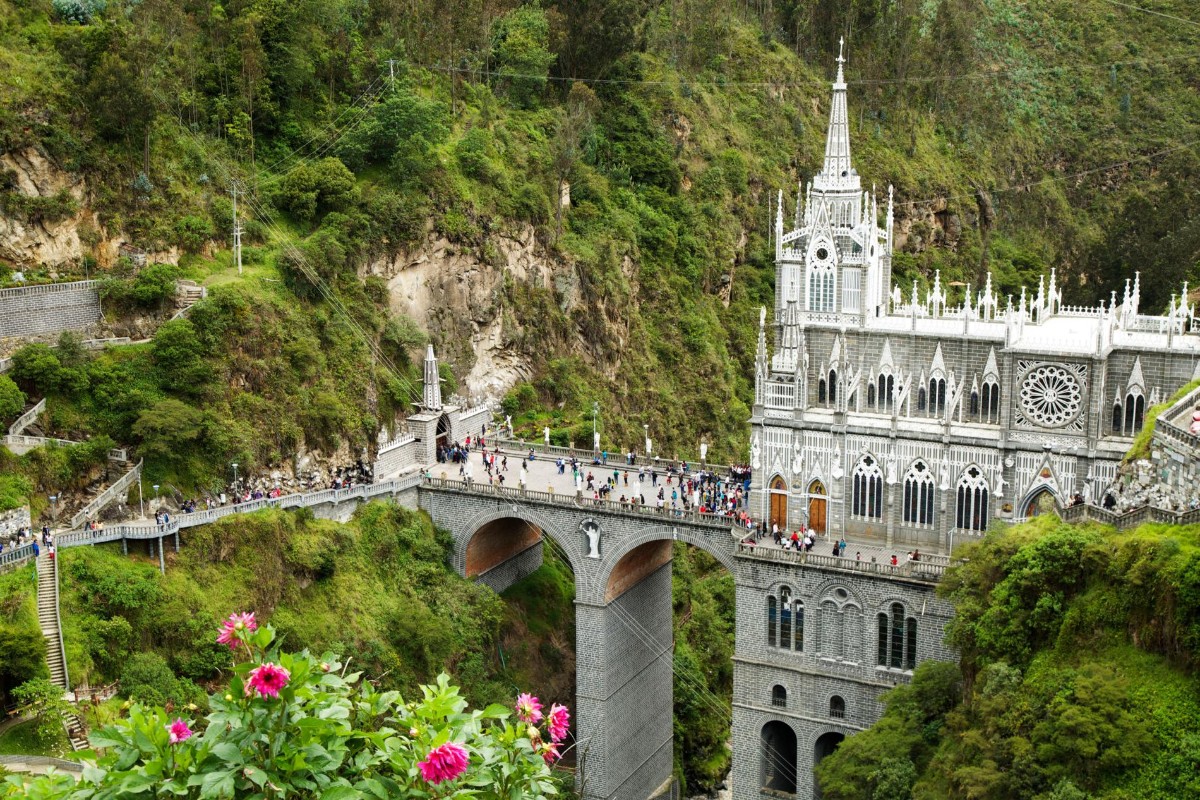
point(891, 416)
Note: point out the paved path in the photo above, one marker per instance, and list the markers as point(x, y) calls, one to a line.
point(543, 476)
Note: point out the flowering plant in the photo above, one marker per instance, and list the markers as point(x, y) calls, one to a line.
point(291, 725)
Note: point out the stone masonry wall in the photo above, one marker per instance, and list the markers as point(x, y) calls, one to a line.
point(839, 658)
point(34, 310)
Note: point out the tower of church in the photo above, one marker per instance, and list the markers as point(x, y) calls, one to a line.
point(911, 416)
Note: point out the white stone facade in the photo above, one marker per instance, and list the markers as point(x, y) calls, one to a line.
point(890, 416)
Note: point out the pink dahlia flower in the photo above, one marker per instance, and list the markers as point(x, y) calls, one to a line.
point(178, 731)
point(268, 679)
point(529, 708)
point(444, 763)
point(231, 627)
point(550, 753)
point(560, 720)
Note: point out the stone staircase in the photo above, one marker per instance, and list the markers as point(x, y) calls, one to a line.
point(48, 618)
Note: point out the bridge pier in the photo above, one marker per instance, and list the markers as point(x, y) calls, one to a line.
point(624, 653)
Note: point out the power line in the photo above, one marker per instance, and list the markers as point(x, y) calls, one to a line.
point(1162, 14)
point(1055, 178)
point(986, 75)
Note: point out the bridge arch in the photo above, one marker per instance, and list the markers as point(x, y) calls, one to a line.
point(718, 544)
point(491, 537)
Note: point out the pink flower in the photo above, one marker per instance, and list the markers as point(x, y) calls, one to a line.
point(550, 753)
point(231, 627)
point(444, 763)
point(268, 679)
point(179, 731)
point(529, 708)
point(559, 722)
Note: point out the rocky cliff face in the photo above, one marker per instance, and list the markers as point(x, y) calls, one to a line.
point(457, 293)
point(60, 242)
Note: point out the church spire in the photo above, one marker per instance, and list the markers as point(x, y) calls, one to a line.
point(431, 399)
point(837, 170)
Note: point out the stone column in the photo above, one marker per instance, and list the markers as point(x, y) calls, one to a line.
point(624, 695)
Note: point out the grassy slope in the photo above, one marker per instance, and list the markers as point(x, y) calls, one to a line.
point(376, 589)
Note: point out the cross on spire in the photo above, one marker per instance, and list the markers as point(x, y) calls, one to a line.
point(840, 59)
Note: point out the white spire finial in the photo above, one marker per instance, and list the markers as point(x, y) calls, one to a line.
point(840, 59)
point(431, 397)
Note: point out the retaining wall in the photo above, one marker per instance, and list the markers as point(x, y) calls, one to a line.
point(51, 308)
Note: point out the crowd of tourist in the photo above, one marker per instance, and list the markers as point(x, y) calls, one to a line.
point(24, 535)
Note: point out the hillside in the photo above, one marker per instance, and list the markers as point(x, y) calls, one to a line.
point(376, 590)
point(572, 200)
point(1078, 676)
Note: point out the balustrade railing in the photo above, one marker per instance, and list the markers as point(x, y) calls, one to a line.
point(121, 486)
point(918, 570)
point(27, 419)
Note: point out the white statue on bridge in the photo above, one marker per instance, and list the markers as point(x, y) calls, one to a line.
point(546, 435)
point(592, 531)
point(703, 452)
point(508, 424)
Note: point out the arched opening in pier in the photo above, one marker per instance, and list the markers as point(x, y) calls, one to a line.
point(1042, 501)
point(825, 745)
point(778, 758)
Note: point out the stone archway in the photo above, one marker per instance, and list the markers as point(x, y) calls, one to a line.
point(1041, 499)
point(825, 745)
point(818, 507)
point(778, 758)
point(778, 491)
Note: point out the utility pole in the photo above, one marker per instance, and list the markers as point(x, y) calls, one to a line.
point(237, 232)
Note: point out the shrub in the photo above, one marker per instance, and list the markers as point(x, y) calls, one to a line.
point(12, 399)
point(305, 728)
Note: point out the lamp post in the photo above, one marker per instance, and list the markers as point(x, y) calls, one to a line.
point(141, 505)
point(235, 476)
point(646, 427)
point(54, 509)
point(595, 435)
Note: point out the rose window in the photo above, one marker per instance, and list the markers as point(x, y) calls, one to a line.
point(1051, 396)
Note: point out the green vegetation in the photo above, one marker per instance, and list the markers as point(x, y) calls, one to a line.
point(703, 663)
point(672, 126)
point(376, 590)
point(1079, 654)
point(23, 739)
point(22, 649)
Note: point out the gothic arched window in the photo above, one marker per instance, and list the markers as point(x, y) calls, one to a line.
point(785, 617)
point(772, 618)
point(974, 403)
point(897, 641)
point(918, 495)
point(871, 395)
point(821, 390)
point(820, 286)
point(972, 506)
point(990, 406)
point(937, 395)
point(1135, 411)
point(1117, 418)
point(867, 494)
point(833, 386)
point(778, 696)
point(887, 383)
point(921, 399)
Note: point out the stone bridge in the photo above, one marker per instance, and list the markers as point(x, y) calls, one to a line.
point(818, 638)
